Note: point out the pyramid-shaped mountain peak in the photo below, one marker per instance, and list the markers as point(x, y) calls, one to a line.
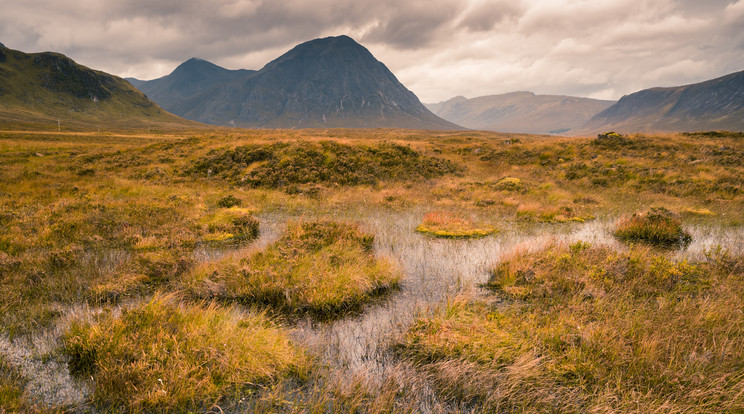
point(328, 82)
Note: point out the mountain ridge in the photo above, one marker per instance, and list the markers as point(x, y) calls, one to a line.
point(44, 88)
point(715, 104)
point(520, 111)
point(328, 82)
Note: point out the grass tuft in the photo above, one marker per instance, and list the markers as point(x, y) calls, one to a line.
point(233, 224)
point(586, 329)
point(658, 226)
point(165, 355)
point(448, 225)
point(322, 267)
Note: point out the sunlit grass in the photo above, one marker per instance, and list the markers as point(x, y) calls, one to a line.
point(451, 226)
point(166, 355)
point(101, 220)
point(12, 396)
point(588, 329)
point(323, 267)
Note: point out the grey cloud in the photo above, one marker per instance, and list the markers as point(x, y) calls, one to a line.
point(439, 48)
point(413, 24)
point(484, 16)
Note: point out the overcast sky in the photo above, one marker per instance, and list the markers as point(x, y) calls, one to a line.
point(437, 48)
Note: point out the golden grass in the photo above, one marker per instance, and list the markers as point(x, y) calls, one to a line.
point(94, 219)
point(588, 329)
point(167, 355)
point(12, 396)
point(323, 267)
point(444, 224)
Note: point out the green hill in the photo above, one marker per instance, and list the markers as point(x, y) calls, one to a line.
point(39, 89)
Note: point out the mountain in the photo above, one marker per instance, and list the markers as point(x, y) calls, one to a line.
point(716, 104)
point(330, 82)
point(520, 112)
point(40, 89)
point(188, 80)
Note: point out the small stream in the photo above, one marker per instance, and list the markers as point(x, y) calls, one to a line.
point(439, 269)
point(435, 270)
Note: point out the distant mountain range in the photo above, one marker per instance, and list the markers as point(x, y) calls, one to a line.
point(188, 80)
point(330, 82)
point(40, 89)
point(520, 112)
point(717, 104)
point(334, 82)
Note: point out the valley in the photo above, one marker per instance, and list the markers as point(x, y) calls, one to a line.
point(117, 246)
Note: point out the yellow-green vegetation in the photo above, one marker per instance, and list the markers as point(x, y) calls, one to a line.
point(12, 398)
point(165, 355)
point(321, 266)
point(658, 226)
point(289, 165)
point(698, 212)
point(587, 329)
point(232, 224)
point(451, 226)
point(41, 88)
point(96, 221)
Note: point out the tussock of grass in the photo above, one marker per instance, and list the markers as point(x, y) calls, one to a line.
point(658, 226)
point(12, 396)
point(323, 267)
point(588, 329)
point(451, 226)
point(233, 224)
point(170, 356)
point(510, 184)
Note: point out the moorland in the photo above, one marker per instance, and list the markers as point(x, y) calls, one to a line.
point(381, 270)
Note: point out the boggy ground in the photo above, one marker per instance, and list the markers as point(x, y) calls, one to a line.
point(110, 233)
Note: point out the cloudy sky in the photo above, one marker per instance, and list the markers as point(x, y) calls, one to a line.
point(437, 48)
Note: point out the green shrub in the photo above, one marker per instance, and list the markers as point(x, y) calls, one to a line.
point(229, 201)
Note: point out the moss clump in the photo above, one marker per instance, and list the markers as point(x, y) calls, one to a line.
point(322, 267)
point(658, 226)
point(451, 226)
point(166, 356)
point(329, 163)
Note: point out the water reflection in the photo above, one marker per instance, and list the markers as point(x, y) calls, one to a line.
point(438, 269)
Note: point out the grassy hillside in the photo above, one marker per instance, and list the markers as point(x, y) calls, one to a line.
point(39, 89)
